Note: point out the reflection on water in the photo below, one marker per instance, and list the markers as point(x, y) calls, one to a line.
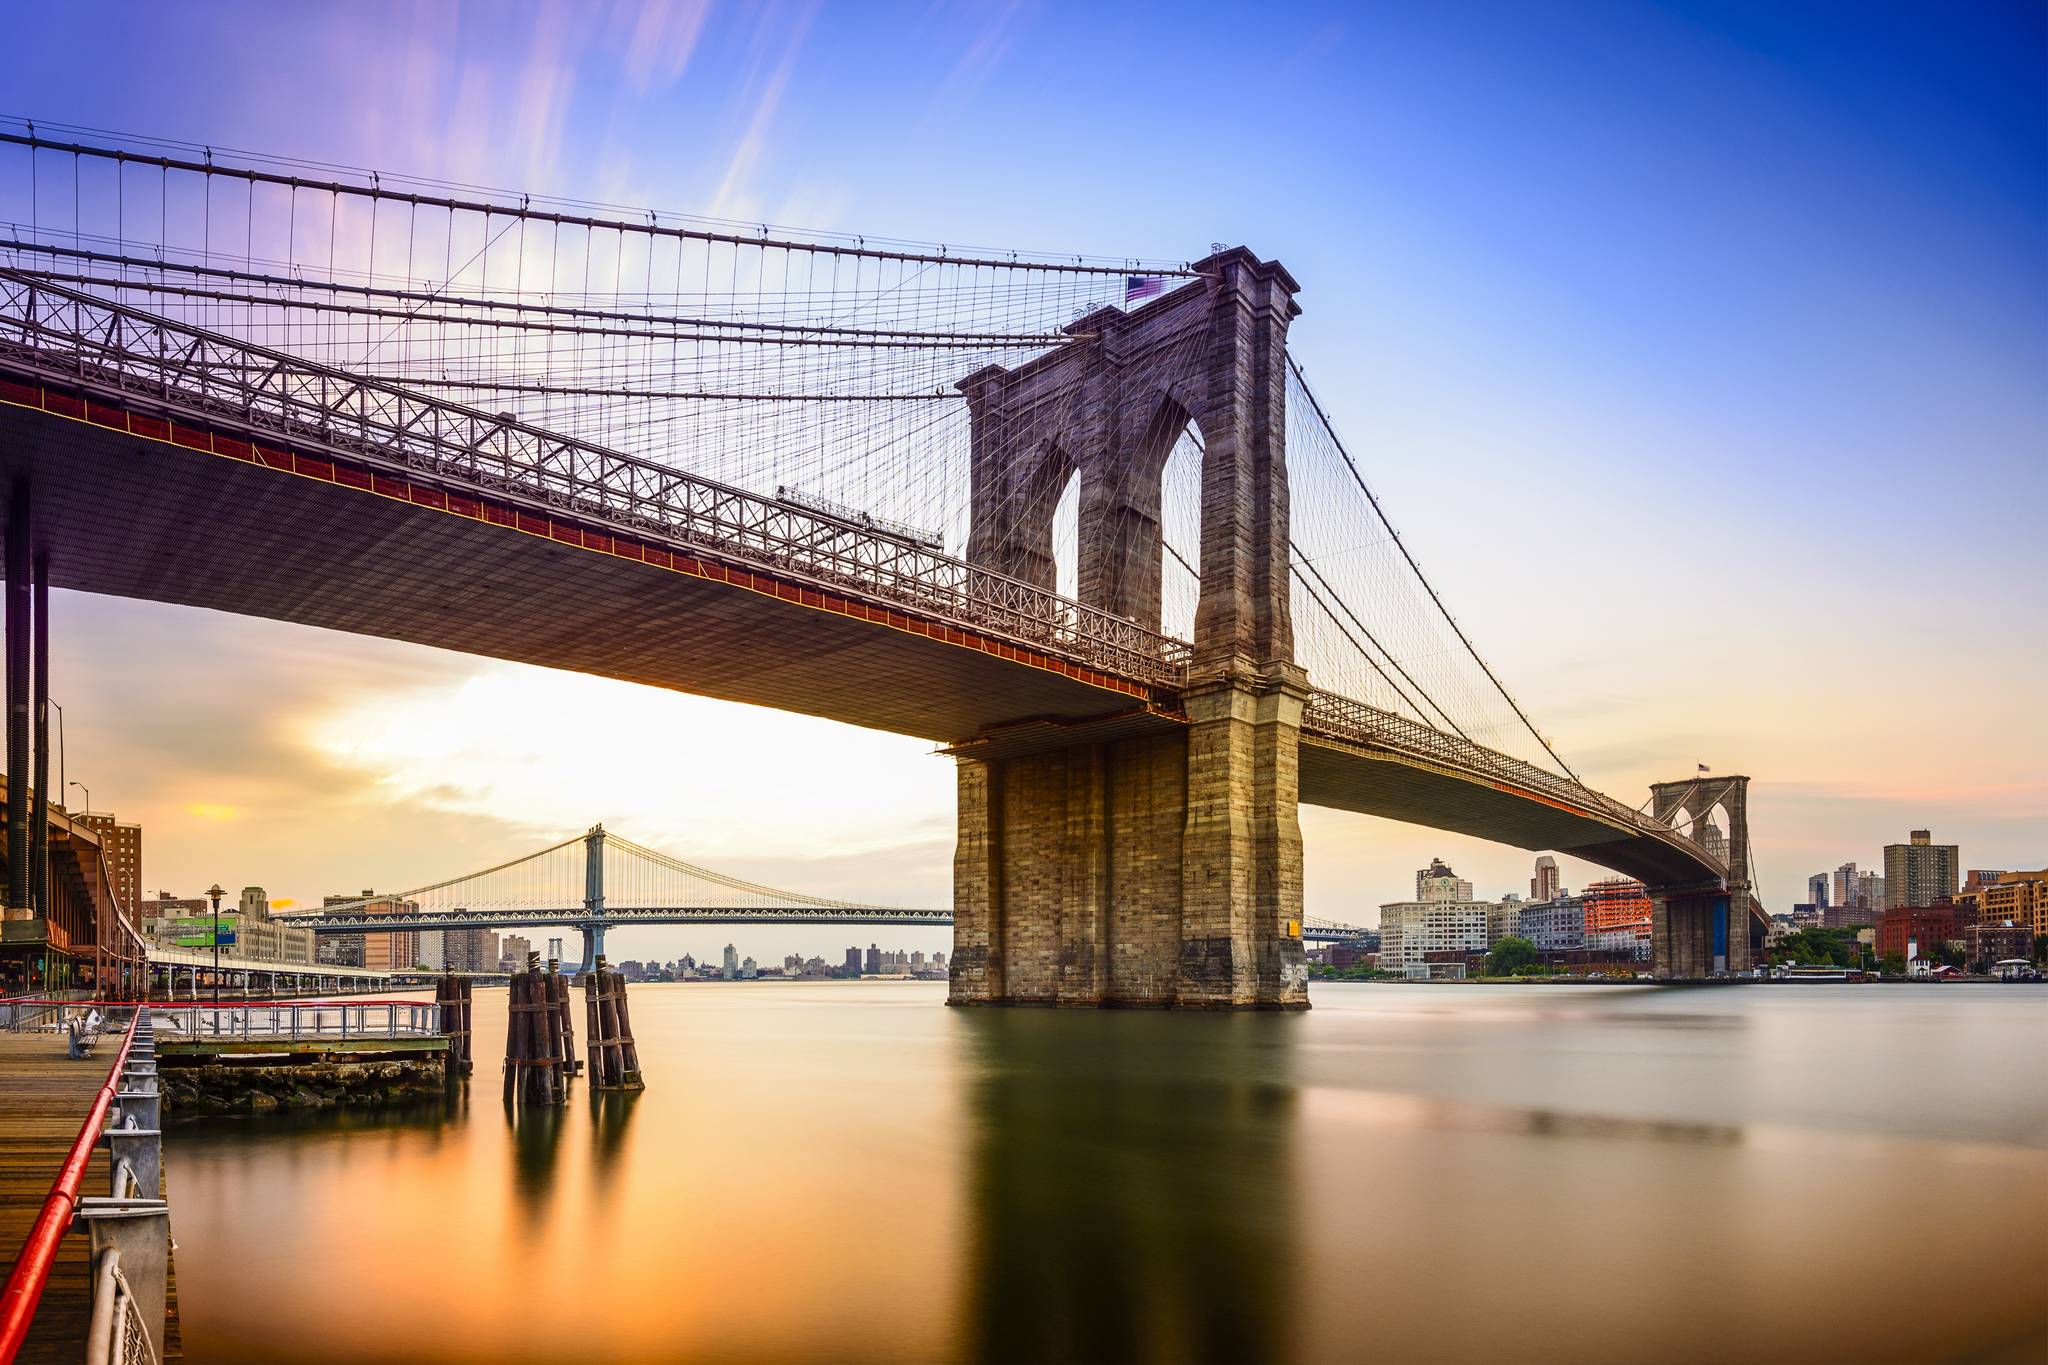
point(1125, 1211)
point(1406, 1173)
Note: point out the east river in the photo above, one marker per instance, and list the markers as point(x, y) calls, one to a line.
point(1406, 1173)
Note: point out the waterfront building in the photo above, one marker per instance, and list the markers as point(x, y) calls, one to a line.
point(1438, 883)
point(874, 961)
point(122, 845)
point(1504, 918)
point(518, 948)
point(852, 967)
point(432, 951)
point(338, 950)
point(1546, 885)
point(2018, 898)
point(1617, 905)
point(1619, 943)
point(730, 968)
point(1557, 925)
point(749, 969)
point(1870, 892)
point(1920, 872)
point(1987, 943)
point(1916, 930)
point(1817, 889)
point(1411, 932)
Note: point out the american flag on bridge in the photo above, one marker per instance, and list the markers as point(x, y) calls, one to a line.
point(1142, 287)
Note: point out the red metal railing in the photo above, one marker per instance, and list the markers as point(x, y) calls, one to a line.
point(32, 1268)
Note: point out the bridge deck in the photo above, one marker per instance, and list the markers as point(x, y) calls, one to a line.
point(44, 1096)
point(137, 517)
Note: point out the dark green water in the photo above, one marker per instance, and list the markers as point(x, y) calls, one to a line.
point(1406, 1173)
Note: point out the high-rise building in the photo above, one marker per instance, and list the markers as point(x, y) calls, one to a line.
point(1869, 893)
point(1438, 883)
point(1920, 872)
point(1618, 905)
point(123, 847)
point(731, 967)
point(1845, 884)
point(874, 960)
point(749, 970)
point(1713, 839)
point(517, 948)
point(471, 950)
point(1817, 890)
point(1546, 884)
point(392, 952)
point(852, 967)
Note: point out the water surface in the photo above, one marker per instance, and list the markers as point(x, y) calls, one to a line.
point(848, 1171)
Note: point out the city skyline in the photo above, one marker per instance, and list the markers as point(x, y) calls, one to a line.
point(1479, 331)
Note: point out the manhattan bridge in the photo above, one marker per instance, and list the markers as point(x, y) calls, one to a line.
point(1083, 523)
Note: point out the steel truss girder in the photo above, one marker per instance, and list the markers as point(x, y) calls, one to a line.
point(99, 345)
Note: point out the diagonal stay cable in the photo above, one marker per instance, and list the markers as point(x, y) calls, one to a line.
point(1349, 464)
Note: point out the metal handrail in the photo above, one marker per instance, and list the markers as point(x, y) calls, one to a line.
point(117, 1334)
point(92, 342)
point(297, 1021)
point(31, 1273)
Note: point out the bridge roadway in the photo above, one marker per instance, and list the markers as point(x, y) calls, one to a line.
point(161, 470)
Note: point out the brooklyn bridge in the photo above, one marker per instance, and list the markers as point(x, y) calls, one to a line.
point(1084, 524)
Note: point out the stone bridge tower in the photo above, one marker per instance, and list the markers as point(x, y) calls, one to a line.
point(1704, 929)
point(1162, 868)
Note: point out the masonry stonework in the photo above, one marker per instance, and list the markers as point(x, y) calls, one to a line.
point(1163, 870)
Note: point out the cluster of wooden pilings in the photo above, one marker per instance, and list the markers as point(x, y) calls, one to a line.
point(540, 1041)
point(614, 1061)
point(451, 993)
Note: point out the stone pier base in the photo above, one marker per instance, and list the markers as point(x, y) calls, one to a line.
point(1699, 933)
point(1162, 871)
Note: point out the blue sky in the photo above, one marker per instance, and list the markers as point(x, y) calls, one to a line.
point(1697, 350)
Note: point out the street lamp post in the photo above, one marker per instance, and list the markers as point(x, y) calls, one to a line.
point(215, 892)
point(88, 794)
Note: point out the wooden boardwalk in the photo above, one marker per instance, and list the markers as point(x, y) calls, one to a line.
point(44, 1096)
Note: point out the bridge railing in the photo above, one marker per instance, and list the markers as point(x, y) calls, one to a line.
point(1343, 718)
point(298, 1021)
point(109, 347)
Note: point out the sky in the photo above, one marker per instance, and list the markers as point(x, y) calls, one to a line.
point(1697, 351)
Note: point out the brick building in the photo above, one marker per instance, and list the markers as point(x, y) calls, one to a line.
point(1915, 931)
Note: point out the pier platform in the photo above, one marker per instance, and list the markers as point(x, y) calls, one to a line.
point(44, 1097)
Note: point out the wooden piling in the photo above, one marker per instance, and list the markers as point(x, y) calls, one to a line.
point(534, 1073)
